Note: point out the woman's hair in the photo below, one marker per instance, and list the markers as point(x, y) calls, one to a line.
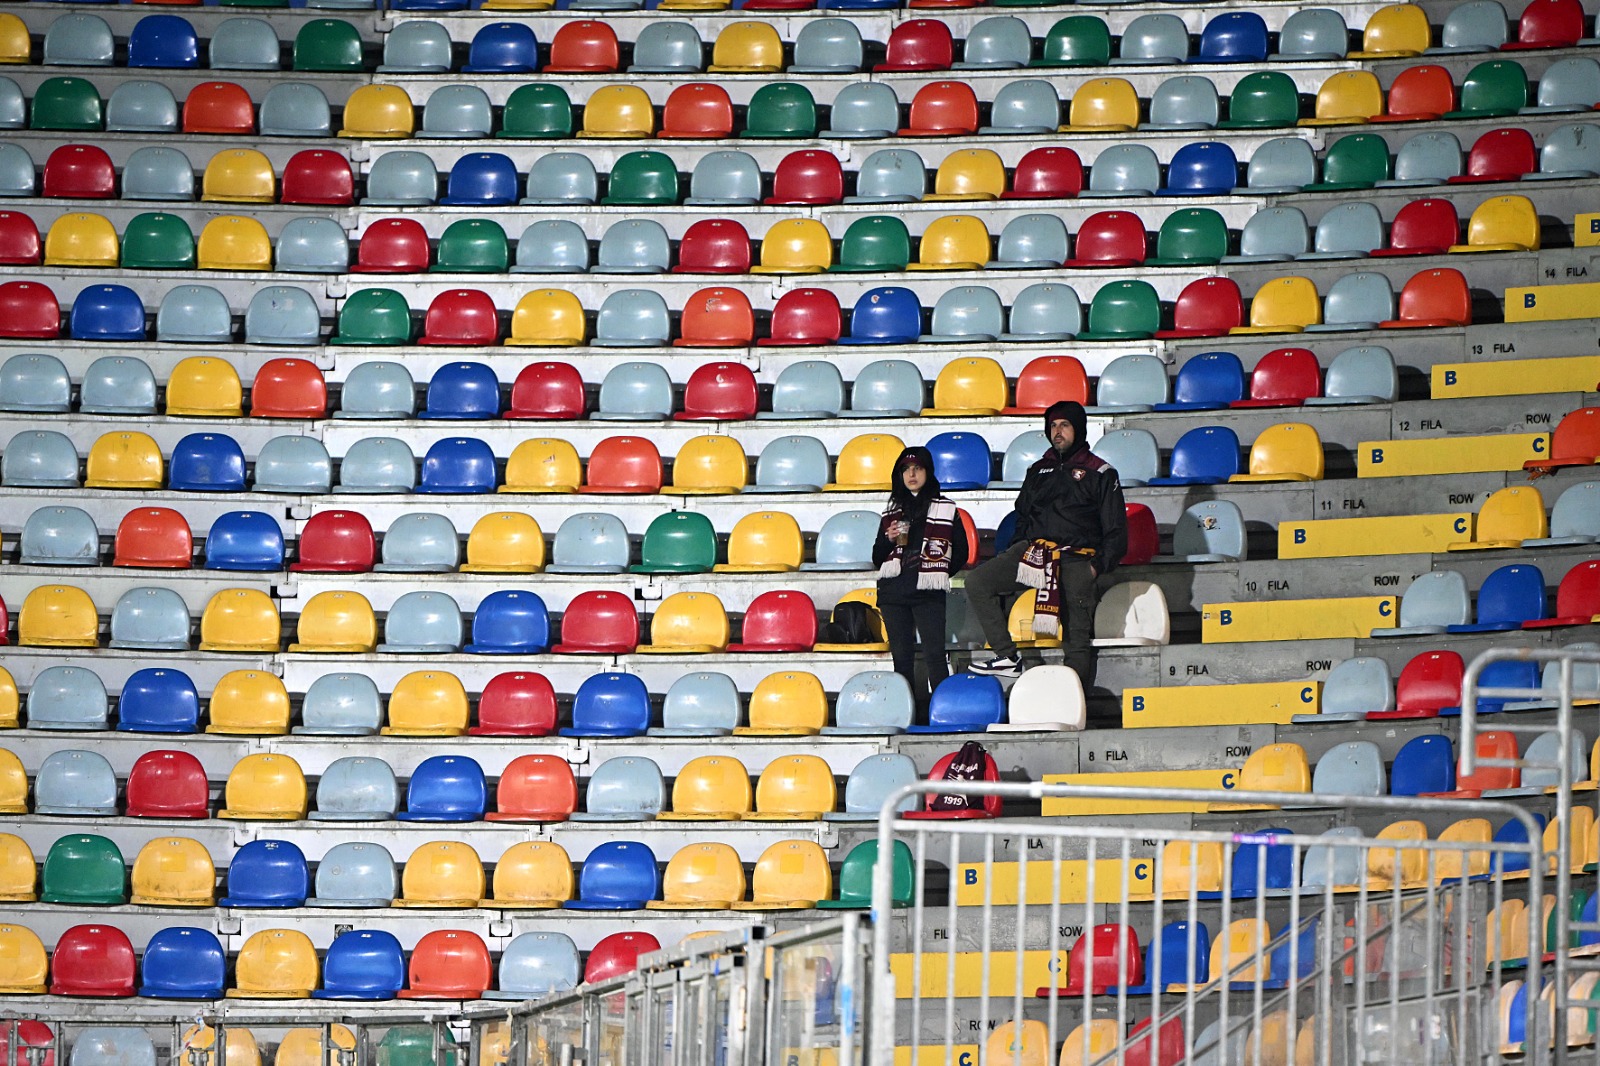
point(914, 504)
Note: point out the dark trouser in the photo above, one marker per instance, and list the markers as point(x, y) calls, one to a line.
point(992, 588)
point(905, 621)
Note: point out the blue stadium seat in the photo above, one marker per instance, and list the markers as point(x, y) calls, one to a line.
point(182, 962)
point(1430, 605)
point(503, 48)
point(69, 698)
point(1207, 455)
point(1203, 168)
point(872, 703)
point(362, 964)
point(341, 705)
point(1006, 531)
point(206, 462)
point(1501, 674)
point(167, 42)
point(481, 179)
point(1300, 947)
point(1509, 596)
point(625, 789)
point(1179, 953)
point(150, 619)
point(157, 700)
point(869, 785)
point(59, 536)
point(420, 542)
point(422, 623)
point(536, 964)
point(886, 315)
point(701, 704)
point(1233, 37)
point(1513, 832)
point(961, 461)
point(1209, 381)
point(964, 703)
point(619, 875)
point(845, 542)
point(267, 873)
point(1423, 764)
point(458, 466)
point(355, 874)
point(244, 540)
point(356, 788)
point(463, 391)
point(107, 313)
point(510, 622)
point(610, 705)
point(1263, 869)
point(446, 788)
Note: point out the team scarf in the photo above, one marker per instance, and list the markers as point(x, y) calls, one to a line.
point(1040, 569)
point(933, 564)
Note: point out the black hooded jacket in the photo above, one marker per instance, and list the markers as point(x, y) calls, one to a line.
point(1076, 499)
point(903, 587)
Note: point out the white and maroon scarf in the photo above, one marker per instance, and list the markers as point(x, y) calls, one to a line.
point(933, 564)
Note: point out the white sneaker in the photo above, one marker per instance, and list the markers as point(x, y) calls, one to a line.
point(1002, 666)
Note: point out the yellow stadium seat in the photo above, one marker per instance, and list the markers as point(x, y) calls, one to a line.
point(618, 112)
point(1312, 619)
point(265, 787)
point(442, 873)
point(15, 46)
point(518, 5)
point(1580, 834)
point(1088, 1043)
point(1273, 1041)
point(547, 318)
point(1500, 224)
point(1239, 952)
point(1330, 538)
point(1024, 1043)
point(174, 872)
point(22, 962)
point(1019, 623)
point(19, 875)
point(375, 112)
point(200, 1043)
point(972, 386)
point(953, 242)
point(58, 616)
point(249, 703)
point(701, 877)
point(494, 1041)
point(709, 465)
point(694, 5)
point(124, 461)
point(13, 784)
point(1288, 451)
point(1346, 98)
point(764, 542)
point(789, 875)
point(303, 1047)
point(786, 704)
point(710, 788)
point(428, 703)
point(795, 788)
point(875, 630)
point(1448, 862)
point(240, 620)
point(687, 623)
point(1507, 929)
point(1408, 866)
point(1507, 518)
point(1283, 305)
point(1189, 868)
point(233, 242)
point(1449, 455)
point(747, 48)
point(795, 246)
point(505, 542)
point(866, 463)
point(1395, 31)
point(275, 964)
point(1279, 767)
point(1103, 105)
point(532, 875)
point(239, 176)
point(336, 623)
point(81, 239)
point(204, 386)
point(970, 174)
point(543, 465)
point(10, 702)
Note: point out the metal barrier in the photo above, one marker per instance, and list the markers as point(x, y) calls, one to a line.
point(1352, 947)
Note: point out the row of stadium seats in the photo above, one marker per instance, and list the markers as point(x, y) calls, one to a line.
point(407, 1045)
point(723, 317)
point(803, 246)
point(1437, 602)
point(822, 46)
point(788, 110)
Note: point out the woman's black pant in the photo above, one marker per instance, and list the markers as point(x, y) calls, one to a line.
point(922, 616)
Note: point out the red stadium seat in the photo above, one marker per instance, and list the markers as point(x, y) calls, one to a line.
point(31, 1033)
point(1576, 441)
point(289, 388)
point(1046, 174)
point(623, 466)
point(716, 318)
point(778, 621)
point(392, 246)
point(79, 172)
point(1109, 239)
point(807, 177)
point(584, 46)
point(1547, 24)
point(158, 538)
point(919, 45)
point(218, 107)
point(29, 311)
point(697, 111)
point(547, 391)
point(1102, 959)
point(94, 961)
point(1046, 379)
point(599, 622)
point(1428, 682)
point(1284, 377)
point(943, 109)
point(19, 240)
point(719, 392)
point(1168, 1044)
point(970, 528)
point(516, 705)
point(1499, 155)
point(168, 784)
point(1419, 94)
point(804, 317)
point(617, 955)
point(1144, 540)
point(1493, 745)
point(535, 788)
point(315, 176)
point(714, 246)
point(990, 806)
point(465, 317)
point(1434, 298)
point(1207, 307)
point(449, 964)
point(1422, 227)
point(1577, 598)
point(336, 542)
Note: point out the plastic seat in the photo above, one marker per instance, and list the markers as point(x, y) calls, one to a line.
point(279, 314)
point(964, 706)
point(1433, 298)
point(275, 964)
point(82, 869)
point(68, 104)
point(710, 788)
point(617, 876)
point(267, 873)
point(509, 622)
point(1364, 374)
point(249, 703)
point(457, 466)
point(59, 536)
point(632, 318)
point(1395, 30)
point(158, 701)
point(79, 41)
point(81, 240)
point(150, 619)
point(623, 466)
point(402, 179)
point(92, 961)
point(1431, 158)
point(75, 784)
point(68, 698)
point(243, 44)
point(58, 616)
point(445, 788)
point(327, 46)
point(39, 459)
point(1509, 597)
point(700, 704)
point(31, 310)
point(141, 107)
point(422, 623)
point(481, 179)
point(1263, 100)
point(427, 703)
point(1103, 105)
point(416, 47)
point(885, 315)
point(107, 313)
point(457, 112)
point(183, 962)
point(777, 621)
point(362, 964)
